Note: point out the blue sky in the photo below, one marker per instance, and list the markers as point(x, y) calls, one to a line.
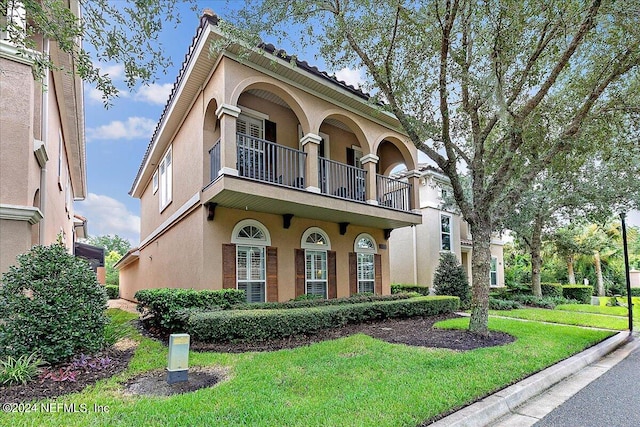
point(117, 138)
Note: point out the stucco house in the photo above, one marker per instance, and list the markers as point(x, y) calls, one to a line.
point(268, 175)
point(42, 146)
point(415, 251)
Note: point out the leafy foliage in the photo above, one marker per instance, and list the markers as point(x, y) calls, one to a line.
point(317, 302)
point(54, 306)
point(259, 325)
point(398, 288)
point(111, 243)
point(580, 293)
point(503, 304)
point(163, 307)
point(451, 279)
point(19, 370)
point(551, 289)
point(113, 292)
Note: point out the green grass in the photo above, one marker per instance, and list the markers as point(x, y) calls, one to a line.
point(565, 317)
point(350, 381)
point(597, 309)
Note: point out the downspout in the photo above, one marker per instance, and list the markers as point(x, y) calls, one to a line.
point(415, 255)
point(44, 129)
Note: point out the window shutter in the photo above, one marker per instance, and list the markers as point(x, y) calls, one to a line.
point(272, 274)
point(332, 292)
point(351, 158)
point(377, 259)
point(353, 273)
point(299, 267)
point(270, 131)
point(228, 266)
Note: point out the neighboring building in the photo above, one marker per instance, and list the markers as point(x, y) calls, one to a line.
point(268, 175)
point(42, 147)
point(415, 251)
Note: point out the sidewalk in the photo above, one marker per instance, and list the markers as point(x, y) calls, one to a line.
point(122, 304)
point(525, 403)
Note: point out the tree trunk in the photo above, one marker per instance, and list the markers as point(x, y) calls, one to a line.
point(535, 249)
point(480, 271)
point(596, 258)
point(570, 272)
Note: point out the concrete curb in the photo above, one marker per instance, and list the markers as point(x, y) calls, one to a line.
point(504, 401)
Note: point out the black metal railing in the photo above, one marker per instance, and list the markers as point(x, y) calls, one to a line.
point(393, 193)
point(270, 162)
point(214, 157)
point(344, 181)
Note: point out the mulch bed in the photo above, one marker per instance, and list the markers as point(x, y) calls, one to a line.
point(415, 332)
point(40, 389)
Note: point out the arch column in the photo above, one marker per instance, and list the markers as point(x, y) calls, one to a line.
point(414, 179)
point(310, 145)
point(369, 162)
point(228, 147)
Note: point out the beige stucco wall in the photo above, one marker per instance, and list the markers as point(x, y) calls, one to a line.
point(189, 255)
point(634, 277)
point(20, 174)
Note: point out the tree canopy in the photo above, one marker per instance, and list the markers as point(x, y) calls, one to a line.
point(495, 89)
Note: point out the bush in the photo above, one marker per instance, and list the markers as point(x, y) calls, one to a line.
point(21, 370)
point(451, 279)
point(53, 305)
point(551, 289)
point(113, 292)
point(260, 325)
point(318, 302)
point(520, 289)
point(635, 292)
point(541, 302)
point(501, 304)
point(162, 307)
point(581, 293)
point(398, 288)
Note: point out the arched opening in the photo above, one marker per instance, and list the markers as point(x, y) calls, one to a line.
point(365, 248)
point(267, 131)
point(393, 189)
point(211, 143)
point(342, 147)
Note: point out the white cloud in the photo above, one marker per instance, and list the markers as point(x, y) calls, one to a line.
point(106, 215)
point(115, 71)
point(154, 93)
point(133, 128)
point(350, 76)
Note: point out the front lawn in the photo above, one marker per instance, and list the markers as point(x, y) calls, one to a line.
point(564, 317)
point(350, 381)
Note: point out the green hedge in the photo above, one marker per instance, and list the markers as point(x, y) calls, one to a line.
point(398, 288)
point(551, 289)
point(319, 302)
point(635, 292)
point(113, 292)
point(503, 304)
point(580, 293)
point(163, 307)
point(260, 325)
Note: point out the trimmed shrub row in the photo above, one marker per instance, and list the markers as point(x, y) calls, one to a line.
point(399, 288)
point(551, 289)
point(113, 291)
point(635, 292)
point(319, 302)
point(162, 307)
point(503, 304)
point(260, 325)
point(581, 293)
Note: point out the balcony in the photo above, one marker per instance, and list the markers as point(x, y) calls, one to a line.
point(273, 178)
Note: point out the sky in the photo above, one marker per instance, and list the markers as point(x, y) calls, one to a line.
point(118, 137)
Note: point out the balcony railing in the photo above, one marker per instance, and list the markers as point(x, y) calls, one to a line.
point(269, 162)
point(340, 180)
point(214, 157)
point(393, 193)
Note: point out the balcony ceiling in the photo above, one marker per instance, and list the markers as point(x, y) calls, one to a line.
point(246, 194)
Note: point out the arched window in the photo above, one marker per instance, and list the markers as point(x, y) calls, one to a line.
point(251, 239)
point(316, 243)
point(365, 249)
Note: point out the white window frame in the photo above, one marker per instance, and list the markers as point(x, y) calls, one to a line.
point(155, 182)
point(248, 243)
point(493, 271)
point(442, 233)
point(311, 250)
point(165, 172)
point(367, 254)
